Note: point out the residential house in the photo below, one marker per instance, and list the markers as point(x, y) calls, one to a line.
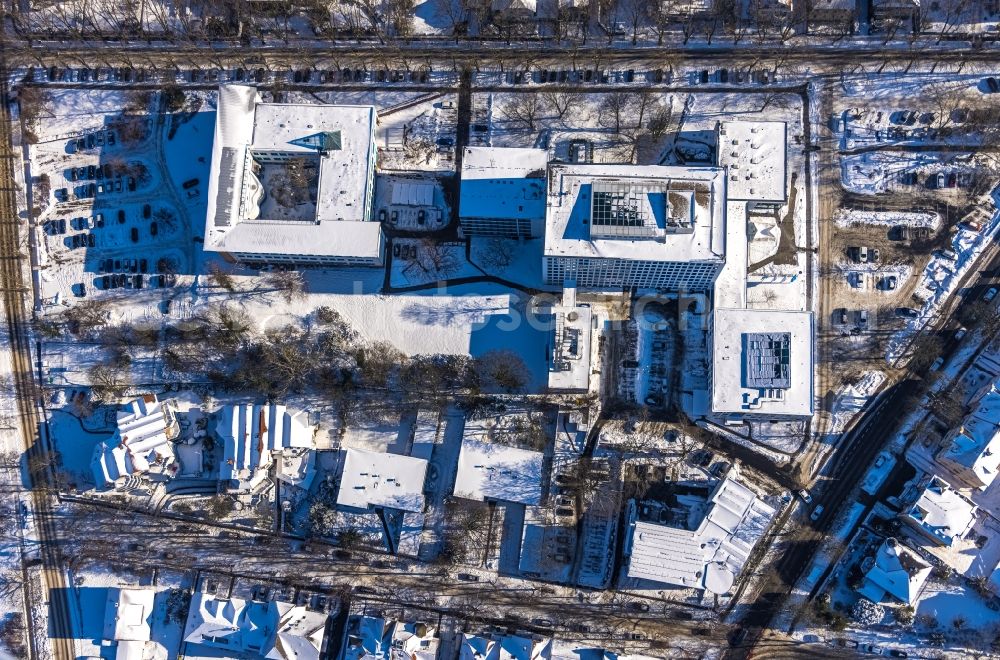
point(142, 445)
point(894, 571)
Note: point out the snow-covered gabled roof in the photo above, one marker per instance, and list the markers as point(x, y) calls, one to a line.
point(369, 638)
point(513, 5)
point(142, 443)
point(974, 452)
point(253, 435)
point(274, 630)
point(374, 479)
point(503, 647)
point(942, 512)
point(710, 557)
point(896, 570)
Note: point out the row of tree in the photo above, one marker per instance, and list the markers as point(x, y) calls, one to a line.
point(772, 20)
point(222, 344)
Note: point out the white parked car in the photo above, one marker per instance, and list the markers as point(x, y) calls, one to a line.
point(806, 497)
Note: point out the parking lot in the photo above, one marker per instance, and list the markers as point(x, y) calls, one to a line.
point(112, 220)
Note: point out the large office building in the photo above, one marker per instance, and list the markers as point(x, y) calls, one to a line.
point(292, 184)
point(503, 192)
point(762, 363)
point(624, 226)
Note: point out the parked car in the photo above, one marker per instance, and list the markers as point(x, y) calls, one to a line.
point(937, 364)
point(990, 295)
point(907, 312)
point(817, 512)
point(806, 497)
point(870, 648)
point(134, 234)
point(888, 283)
point(862, 317)
point(960, 333)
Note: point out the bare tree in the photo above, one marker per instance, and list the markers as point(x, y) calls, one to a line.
point(108, 382)
point(561, 102)
point(289, 283)
point(221, 278)
point(498, 254)
point(523, 109)
point(613, 109)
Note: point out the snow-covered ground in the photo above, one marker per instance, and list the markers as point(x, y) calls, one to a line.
point(848, 217)
point(941, 278)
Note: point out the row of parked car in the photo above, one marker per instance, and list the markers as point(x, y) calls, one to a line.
point(87, 190)
point(140, 265)
point(104, 137)
point(119, 74)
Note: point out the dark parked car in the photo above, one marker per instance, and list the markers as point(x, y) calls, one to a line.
point(134, 234)
point(190, 183)
point(147, 211)
point(153, 229)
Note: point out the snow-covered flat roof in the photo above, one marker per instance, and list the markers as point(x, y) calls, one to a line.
point(506, 183)
point(754, 155)
point(636, 212)
point(128, 613)
point(709, 557)
point(344, 170)
point(325, 239)
point(569, 366)
point(736, 339)
point(248, 133)
point(373, 479)
point(491, 471)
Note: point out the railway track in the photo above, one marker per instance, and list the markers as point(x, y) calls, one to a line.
point(12, 282)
